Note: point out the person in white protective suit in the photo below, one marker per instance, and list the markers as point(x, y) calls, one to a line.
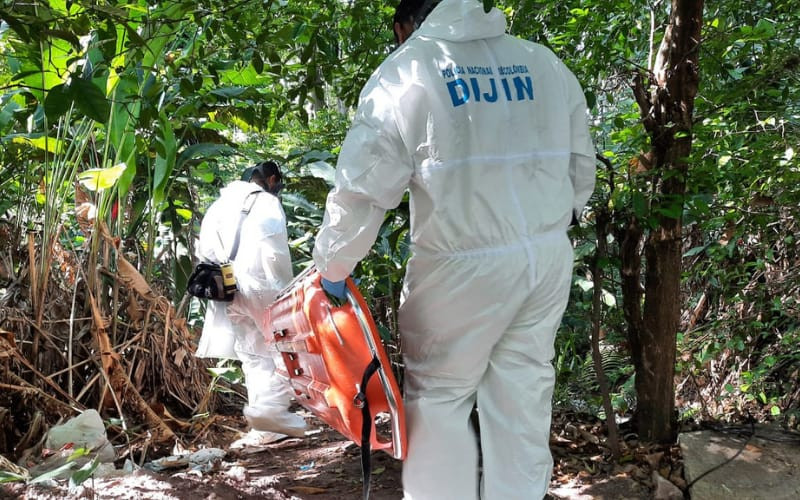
point(489, 134)
point(262, 267)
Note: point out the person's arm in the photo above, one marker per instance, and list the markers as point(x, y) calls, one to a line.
point(372, 173)
point(582, 156)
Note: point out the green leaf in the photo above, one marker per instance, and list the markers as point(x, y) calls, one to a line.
point(57, 472)
point(591, 99)
point(229, 92)
point(90, 99)
point(775, 411)
point(99, 179)
point(322, 170)
point(257, 62)
point(695, 251)
point(57, 102)
point(79, 476)
point(639, 204)
point(765, 29)
point(10, 477)
point(184, 213)
point(165, 158)
point(230, 373)
point(49, 144)
point(186, 86)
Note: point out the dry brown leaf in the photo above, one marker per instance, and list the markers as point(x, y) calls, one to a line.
point(133, 278)
point(7, 344)
point(180, 354)
point(103, 342)
point(588, 436)
point(134, 311)
point(654, 459)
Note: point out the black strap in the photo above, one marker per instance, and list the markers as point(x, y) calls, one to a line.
point(366, 425)
point(245, 210)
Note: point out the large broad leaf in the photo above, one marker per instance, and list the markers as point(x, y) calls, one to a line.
point(322, 170)
point(245, 76)
point(54, 60)
point(49, 144)
point(99, 179)
point(90, 99)
point(229, 92)
point(124, 114)
point(57, 102)
point(297, 200)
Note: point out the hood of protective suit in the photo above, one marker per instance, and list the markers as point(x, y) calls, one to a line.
point(462, 21)
point(238, 190)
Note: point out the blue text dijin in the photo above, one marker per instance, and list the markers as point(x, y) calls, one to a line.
point(462, 90)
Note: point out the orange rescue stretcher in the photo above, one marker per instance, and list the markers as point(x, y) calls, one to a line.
point(330, 353)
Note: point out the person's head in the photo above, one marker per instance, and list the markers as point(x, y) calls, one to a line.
point(266, 174)
point(408, 16)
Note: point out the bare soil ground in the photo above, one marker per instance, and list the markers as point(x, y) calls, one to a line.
point(325, 466)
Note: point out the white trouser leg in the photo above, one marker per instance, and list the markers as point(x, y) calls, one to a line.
point(514, 401)
point(268, 397)
point(515, 394)
point(448, 331)
point(444, 462)
point(482, 328)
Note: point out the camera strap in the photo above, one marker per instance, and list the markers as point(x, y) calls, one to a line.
point(249, 201)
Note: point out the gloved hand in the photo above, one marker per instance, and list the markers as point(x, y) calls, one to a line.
point(335, 288)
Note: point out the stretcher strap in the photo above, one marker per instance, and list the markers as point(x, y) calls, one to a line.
point(366, 425)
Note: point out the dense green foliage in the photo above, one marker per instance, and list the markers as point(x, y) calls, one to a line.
point(150, 107)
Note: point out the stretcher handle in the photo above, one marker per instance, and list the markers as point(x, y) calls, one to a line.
point(397, 443)
point(300, 277)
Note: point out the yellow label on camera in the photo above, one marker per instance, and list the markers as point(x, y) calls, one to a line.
point(228, 279)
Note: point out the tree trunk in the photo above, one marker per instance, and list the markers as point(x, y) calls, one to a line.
point(666, 106)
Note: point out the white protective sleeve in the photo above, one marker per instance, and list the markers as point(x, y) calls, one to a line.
point(372, 174)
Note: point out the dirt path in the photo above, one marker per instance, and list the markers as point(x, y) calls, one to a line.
point(325, 466)
point(322, 466)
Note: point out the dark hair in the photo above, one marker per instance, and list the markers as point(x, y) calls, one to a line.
point(262, 171)
point(413, 11)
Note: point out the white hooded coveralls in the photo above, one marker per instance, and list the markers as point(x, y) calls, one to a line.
point(489, 134)
point(262, 266)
